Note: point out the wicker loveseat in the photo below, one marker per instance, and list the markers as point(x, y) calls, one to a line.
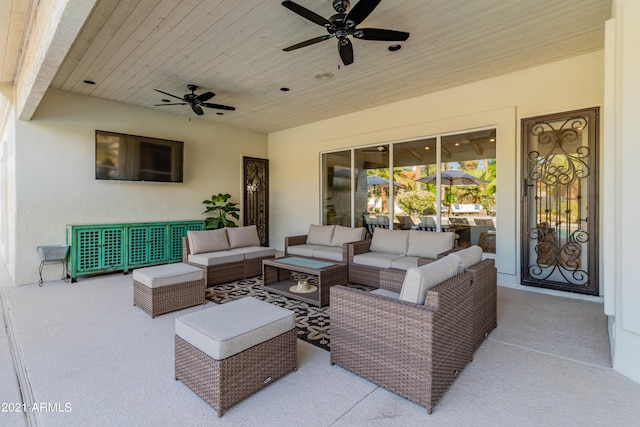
point(416, 346)
point(226, 254)
point(392, 252)
point(324, 241)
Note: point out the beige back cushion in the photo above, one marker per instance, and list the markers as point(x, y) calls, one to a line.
point(320, 234)
point(467, 257)
point(429, 244)
point(208, 241)
point(419, 280)
point(241, 237)
point(390, 241)
point(343, 235)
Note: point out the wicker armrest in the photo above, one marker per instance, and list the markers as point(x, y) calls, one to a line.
point(185, 249)
point(357, 248)
point(294, 241)
point(484, 289)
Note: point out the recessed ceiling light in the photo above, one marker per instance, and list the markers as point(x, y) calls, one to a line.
point(457, 144)
point(323, 75)
point(394, 47)
point(427, 148)
point(89, 82)
point(285, 89)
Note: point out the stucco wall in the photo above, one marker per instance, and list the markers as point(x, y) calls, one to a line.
point(55, 178)
point(295, 153)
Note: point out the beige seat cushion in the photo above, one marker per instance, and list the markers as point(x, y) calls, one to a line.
point(228, 329)
point(253, 252)
point(333, 253)
point(429, 244)
point(419, 280)
point(303, 250)
point(405, 262)
point(467, 257)
point(342, 235)
point(208, 241)
point(216, 258)
point(320, 234)
point(376, 259)
point(240, 237)
point(390, 241)
point(167, 274)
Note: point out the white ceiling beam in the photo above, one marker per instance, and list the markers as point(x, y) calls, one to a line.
point(51, 35)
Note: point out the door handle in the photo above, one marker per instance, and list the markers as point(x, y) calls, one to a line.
point(525, 186)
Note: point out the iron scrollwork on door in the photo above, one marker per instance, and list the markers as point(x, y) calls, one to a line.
point(256, 196)
point(559, 205)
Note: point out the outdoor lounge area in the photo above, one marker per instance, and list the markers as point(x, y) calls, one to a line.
point(89, 348)
point(504, 125)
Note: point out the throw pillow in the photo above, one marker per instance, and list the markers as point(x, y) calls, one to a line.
point(320, 234)
point(467, 257)
point(419, 280)
point(343, 235)
point(208, 241)
point(428, 244)
point(389, 241)
point(241, 237)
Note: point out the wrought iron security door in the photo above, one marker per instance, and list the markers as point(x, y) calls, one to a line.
point(256, 196)
point(560, 201)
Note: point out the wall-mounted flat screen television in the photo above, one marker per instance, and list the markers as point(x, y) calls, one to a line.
point(137, 158)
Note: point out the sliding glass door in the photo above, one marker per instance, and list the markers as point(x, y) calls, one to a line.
point(440, 183)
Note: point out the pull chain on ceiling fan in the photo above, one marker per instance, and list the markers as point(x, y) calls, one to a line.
point(195, 101)
point(342, 25)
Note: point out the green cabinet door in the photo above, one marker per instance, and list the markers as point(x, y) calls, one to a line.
point(147, 244)
point(100, 249)
point(176, 232)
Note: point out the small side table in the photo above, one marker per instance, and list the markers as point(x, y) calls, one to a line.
point(50, 254)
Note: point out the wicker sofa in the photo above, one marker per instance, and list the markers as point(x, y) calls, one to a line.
point(392, 252)
point(414, 343)
point(226, 254)
point(324, 241)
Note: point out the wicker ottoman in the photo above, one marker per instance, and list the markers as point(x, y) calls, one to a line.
point(230, 351)
point(164, 288)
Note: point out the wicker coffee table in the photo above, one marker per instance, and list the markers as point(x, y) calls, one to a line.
point(276, 274)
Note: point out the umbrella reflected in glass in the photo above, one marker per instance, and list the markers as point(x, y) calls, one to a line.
point(377, 181)
point(453, 178)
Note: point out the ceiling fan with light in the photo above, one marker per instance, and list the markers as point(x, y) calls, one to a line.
point(342, 25)
point(195, 101)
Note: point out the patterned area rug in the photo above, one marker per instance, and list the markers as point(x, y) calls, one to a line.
point(312, 322)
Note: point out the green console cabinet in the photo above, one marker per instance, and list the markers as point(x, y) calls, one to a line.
point(103, 248)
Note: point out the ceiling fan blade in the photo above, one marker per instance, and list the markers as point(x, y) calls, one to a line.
point(178, 97)
point(307, 14)
point(380, 34)
point(205, 96)
point(171, 103)
point(196, 109)
point(218, 106)
point(361, 10)
point(346, 50)
point(308, 42)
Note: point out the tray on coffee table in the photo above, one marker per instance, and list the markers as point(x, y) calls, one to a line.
point(276, 274)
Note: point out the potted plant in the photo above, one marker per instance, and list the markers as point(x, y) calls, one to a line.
point(220, 210)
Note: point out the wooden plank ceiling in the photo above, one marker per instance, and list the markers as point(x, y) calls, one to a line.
point(234, 48)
